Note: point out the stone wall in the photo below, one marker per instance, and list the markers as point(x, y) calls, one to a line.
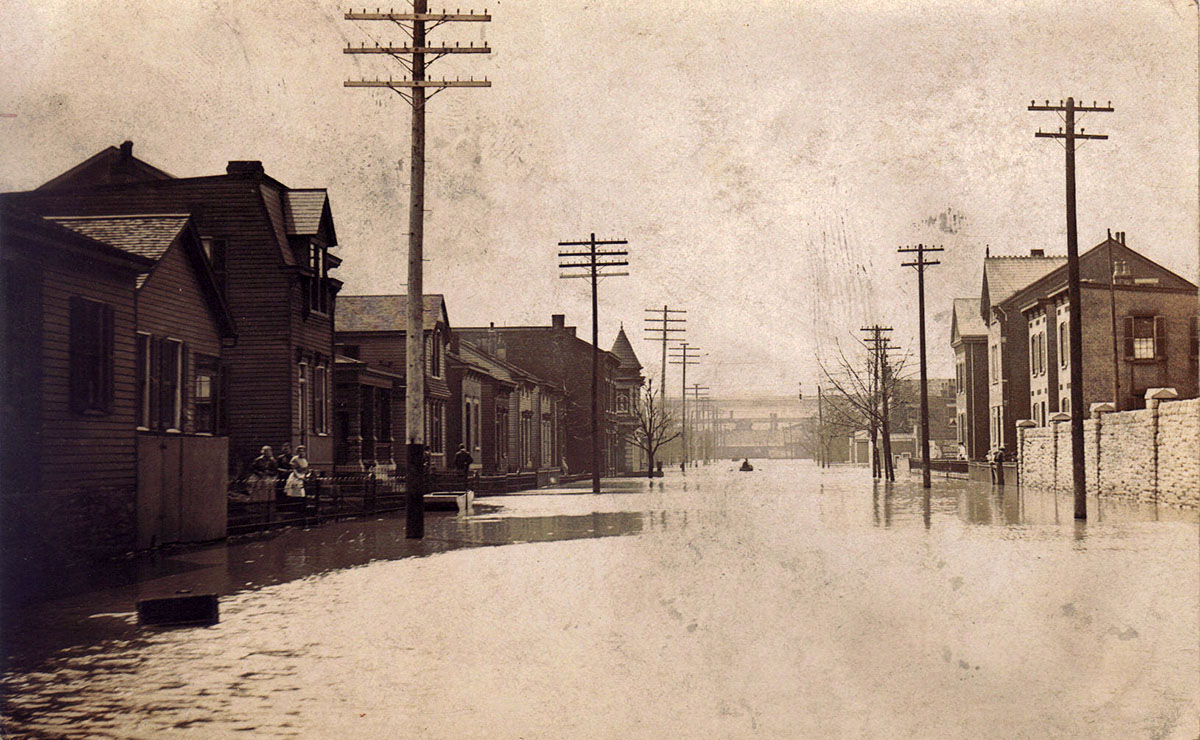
point(1149, 455)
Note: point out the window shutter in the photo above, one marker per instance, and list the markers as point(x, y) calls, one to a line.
point(155, 381)
point(184, 413)
point(106, 358)
point(139, 376)
point(1160, 337)
point(77, 370)
point(1128, 320)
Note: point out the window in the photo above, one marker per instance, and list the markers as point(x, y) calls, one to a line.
point(435, 354)
point(206, 394)
point(215, 250)
point(1145, 337)
point(160, 377)
point(1033, 366)
point(466, 416)
point(304, 402)
point(320, 394)
point(146, 381)
point(318, 283)
point(91, 356)
point(1064, 344)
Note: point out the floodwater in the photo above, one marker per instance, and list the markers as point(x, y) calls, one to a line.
point(783, 603)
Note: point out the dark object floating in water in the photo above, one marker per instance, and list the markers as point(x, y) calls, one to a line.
point(746, 467)
point(178, 611)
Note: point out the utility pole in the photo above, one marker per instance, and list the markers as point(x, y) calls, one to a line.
point(1075, 327)
point(920, 264)
point(1112, 315)
point(659, 329)
point(879, 345)
point(414, 58)
point(594, 262)
point(822, 453)
point(684, 358)
point(699, 393)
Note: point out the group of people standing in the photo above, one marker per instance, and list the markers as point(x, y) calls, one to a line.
point(283, 476)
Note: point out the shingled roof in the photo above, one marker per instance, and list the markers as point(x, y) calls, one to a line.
point(967, 319)
point(624, 351)
point(302, 210)
point(1005, 276)
point(146, 236)
point(383, 312)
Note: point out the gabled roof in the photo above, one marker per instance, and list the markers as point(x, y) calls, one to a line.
point(109, 165)
point(16, 220)
point(357, 313)
point(966, 320)
point(1003, 277)
point(148, 236)
point(304, 209)
point(624, 351)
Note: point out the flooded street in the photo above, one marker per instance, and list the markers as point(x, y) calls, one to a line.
point(783, 603)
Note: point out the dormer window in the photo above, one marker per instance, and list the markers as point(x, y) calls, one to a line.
point(318, 283)
point(214, 250)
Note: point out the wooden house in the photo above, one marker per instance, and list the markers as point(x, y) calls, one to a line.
point(182, 325)
point(371, 330)
point(68, 449)
point(268, 248)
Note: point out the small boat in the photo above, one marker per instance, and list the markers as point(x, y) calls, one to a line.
point(746, 467)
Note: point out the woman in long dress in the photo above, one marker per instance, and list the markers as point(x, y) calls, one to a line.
point(262, 476)
point(295, 482)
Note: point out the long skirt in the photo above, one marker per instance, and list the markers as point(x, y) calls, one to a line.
point(294, 486)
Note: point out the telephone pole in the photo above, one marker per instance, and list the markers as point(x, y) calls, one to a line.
point(659, 329)
point(878, 342)
point(1075, 323)
point(699, 393)
point(593, 264)
point(684, 357)
point(415, 57)
point(920, 264)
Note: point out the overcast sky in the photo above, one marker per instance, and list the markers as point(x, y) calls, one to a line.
point(764, 159)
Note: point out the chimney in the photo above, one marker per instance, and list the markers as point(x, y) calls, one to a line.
point(1037, 253)
point(245, 168)
point(558, 321)
point(126, 150)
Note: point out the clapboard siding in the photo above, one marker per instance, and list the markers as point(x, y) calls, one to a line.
point(262, 292)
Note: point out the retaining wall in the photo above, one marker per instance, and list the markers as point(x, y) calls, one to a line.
point(1150, 455)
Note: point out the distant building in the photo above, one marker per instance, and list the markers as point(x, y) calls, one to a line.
point(627, 382)
point(555, 354)
point(969, 338)
point(371, 420)
point(1005, 283)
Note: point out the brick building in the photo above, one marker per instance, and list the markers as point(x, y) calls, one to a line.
point(555, 354)
point(969, 339)
point(1139, 330)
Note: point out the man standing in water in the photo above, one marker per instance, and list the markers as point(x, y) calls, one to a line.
point(462, 461)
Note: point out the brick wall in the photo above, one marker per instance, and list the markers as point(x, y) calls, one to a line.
point(1150, 455)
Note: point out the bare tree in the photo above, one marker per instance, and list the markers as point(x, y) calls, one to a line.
point(861, 398)
point(653, 427)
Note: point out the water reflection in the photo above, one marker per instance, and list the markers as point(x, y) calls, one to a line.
point(300, 641)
